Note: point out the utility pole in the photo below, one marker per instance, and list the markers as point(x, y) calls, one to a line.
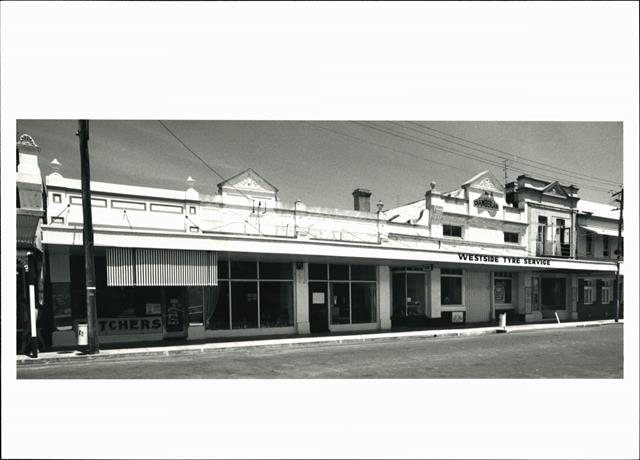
point(618, 253)
point(505, 173)
point(87, 238)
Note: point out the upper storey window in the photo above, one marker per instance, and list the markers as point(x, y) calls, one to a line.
point(452, 230)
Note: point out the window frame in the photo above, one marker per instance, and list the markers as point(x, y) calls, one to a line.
point(516, 234)
point(452, 273)
point(503, 276)
point(607, 286)
point(589, 244)
point(350, 281)
point(451, 227)
point(230, 279)
point(588, 288)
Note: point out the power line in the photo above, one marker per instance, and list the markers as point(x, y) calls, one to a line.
point(421, 158)
point(200, 158)
point(512, 155)
point(409, 137)
point(412, 138)
point(246, 220)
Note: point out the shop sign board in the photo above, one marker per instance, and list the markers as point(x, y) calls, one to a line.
point(464, 257)
point(133, 325)
point(486, 201)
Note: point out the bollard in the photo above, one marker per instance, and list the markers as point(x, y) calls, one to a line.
point(502, 324)
point(83, 335)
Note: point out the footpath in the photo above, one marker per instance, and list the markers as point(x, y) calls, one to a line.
point(75, 356)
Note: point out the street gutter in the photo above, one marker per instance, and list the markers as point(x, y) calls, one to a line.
point(78, 357)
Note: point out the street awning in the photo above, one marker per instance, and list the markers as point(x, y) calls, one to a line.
point(26, 226)
point(161, 267)
point(601, 230)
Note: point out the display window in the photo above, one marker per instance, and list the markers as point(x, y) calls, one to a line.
point(250, 294)
point(502, 285)
point(451, 286)
point(352, 291)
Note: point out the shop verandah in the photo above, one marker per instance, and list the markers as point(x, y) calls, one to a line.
point(267, 295)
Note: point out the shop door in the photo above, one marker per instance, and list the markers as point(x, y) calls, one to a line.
point(318, 307)
point(478, 297)
point(554, 293)
point(175, 312)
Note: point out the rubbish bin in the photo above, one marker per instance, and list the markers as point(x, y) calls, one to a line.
point(503, 320)
point(83, 334)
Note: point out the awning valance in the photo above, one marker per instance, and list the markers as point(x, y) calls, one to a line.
point(601, 230)
point(26, 228)
point(161, 267)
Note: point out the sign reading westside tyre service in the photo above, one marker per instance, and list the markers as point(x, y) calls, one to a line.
point(502, 259)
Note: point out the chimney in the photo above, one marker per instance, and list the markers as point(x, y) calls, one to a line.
point(361, 200)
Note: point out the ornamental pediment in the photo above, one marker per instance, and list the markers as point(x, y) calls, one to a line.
point(247, 181)
point(485, 181)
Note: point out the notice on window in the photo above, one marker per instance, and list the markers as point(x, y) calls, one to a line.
point(153, 308)
point(317, 298)
point(457, 317)
point(500, 292)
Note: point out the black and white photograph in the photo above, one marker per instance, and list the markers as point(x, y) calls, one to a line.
point(200, 251)
point(314, 230)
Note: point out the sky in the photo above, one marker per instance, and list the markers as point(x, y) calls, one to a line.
point(322, 162)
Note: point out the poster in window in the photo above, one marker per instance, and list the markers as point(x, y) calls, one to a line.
point(499, 291)
point(153, 308)
point(174, 317)
point(457, 317)
point(318, 297)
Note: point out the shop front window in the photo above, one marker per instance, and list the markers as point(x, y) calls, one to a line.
point(249, 295)
point(276, 304)
point(588, 292)
point(451, 286)
point(244, 304)
point(408, 293)
point(217, 306)
point(607, 289)
point(502, 283)
point(352, 291)
point(195, 299)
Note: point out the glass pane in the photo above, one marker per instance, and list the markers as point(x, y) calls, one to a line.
point(244, 300)
point(363, 272)
point(195, 304)
point(415, 294)
point(399, 295)
point(502, 291)
point(223, 269)
point(338, 272)
point(451, 290)
point(339, 301)
point(535, 293)
point(317, 271)
point(217, 306)
point(244, 270)
point(276, 271)
point(276, 304)
point(363, 302)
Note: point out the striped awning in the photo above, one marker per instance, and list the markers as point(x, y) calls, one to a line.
point(161, 267)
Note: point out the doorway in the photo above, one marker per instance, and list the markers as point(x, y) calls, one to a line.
point(553, 294)
point(478, 297)
point(318, 307)
point(175, 321)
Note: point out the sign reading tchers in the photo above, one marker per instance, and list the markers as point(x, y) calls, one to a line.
point(117, 326)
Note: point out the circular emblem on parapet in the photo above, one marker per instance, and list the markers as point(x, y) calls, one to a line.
point(26, 139)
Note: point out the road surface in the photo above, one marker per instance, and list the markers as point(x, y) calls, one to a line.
point(592, 352)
